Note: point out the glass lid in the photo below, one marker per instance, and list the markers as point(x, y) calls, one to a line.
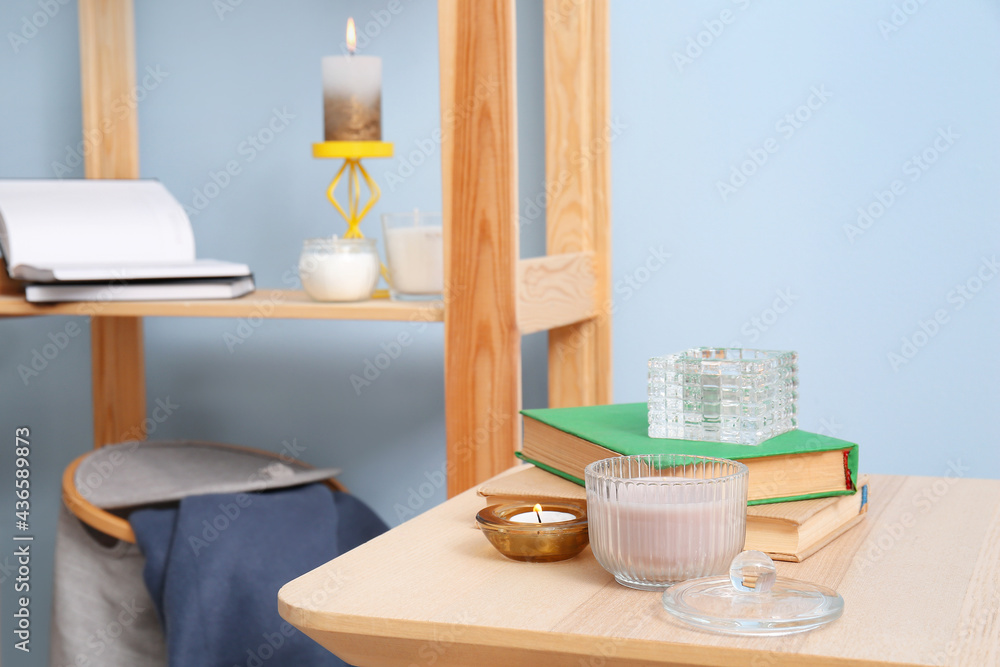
point(752, 600)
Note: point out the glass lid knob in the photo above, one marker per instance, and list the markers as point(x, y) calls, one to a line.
point(753, 572)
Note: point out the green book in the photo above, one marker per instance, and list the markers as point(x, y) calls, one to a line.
point(792, 466)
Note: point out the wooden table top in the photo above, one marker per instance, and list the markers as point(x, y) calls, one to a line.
point(920, 578)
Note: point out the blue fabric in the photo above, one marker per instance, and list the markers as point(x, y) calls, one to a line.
point(214, 564)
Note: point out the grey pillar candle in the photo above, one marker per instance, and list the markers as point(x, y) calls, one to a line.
point(352, 95)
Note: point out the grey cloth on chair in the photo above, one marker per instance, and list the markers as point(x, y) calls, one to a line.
point(214, 565)
point(102, 614)
point(131, 474)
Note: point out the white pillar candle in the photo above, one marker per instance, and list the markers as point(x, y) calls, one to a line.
point(352, 95)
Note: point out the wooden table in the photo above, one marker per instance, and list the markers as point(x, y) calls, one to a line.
point(919, 578)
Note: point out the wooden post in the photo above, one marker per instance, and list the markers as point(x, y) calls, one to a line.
point(107, 64)
point(578, 213)
point(479, 165)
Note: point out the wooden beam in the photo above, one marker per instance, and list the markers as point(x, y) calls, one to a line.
point(107, 68)
point(261, 303)
point(578, 173)
point(111, 138)
point(555, 291)
point(119, 383)
point(479, 166)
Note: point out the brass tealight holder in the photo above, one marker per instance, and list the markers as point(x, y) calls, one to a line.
point(559, 533)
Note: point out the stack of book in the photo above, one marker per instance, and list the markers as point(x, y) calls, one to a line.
point(804, 488)
point(107, 240)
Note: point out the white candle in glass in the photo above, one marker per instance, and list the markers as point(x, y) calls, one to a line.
point(352, 95)
point(339, 269)
point(415, 252)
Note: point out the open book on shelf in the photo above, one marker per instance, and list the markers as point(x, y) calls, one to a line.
point(54, 231)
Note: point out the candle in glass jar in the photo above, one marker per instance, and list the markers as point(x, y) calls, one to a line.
point(416, 259)
point(650, 530)
point(339, 269)
point(352, 95)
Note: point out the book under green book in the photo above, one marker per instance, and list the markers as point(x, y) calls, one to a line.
point(792, 466)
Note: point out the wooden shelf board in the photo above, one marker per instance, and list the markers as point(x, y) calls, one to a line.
point(265, 303)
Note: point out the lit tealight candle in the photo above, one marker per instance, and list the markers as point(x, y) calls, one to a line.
point(534, 534)
point(538, 515)
point(352, 95)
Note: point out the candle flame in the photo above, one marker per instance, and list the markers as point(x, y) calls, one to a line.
point(352, 35)
point(538, 511)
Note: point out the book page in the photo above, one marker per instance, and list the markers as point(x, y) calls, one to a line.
point(49, 223)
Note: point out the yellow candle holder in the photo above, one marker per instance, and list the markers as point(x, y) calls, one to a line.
point(352, 152)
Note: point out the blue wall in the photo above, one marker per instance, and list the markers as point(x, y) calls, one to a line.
point(894, 316)
point(762, 256)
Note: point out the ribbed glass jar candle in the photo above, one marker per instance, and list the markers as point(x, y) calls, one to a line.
point(662, 518)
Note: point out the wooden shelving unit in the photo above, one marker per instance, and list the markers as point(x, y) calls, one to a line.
point(494, 297)
point(267, 303)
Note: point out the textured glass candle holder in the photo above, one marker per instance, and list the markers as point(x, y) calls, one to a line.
point(723, 395)
point(656, 519)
